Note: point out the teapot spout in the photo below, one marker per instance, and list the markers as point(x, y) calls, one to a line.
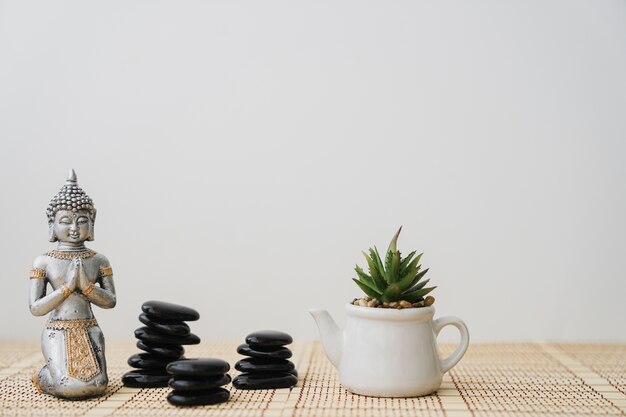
point(331, 335)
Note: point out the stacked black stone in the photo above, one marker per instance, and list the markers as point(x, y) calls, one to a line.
point(198, 381)
point(267, 366)
point(162, 339)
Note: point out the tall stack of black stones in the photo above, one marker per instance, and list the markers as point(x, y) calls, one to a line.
point(267, 365)
point(198, 381)
point(162, 339)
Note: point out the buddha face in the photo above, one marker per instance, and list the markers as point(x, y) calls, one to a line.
point(72, 227)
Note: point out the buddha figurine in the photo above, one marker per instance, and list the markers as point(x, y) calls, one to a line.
point(72, 342)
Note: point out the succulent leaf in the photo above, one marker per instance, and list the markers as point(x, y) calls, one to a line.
point(411, 268)
point(363, 277)
point(408, 284)
point(369, 285)
point(388, 266)
point(392, 293)
point(367, 290)
point(419, 286)
point(415, 296)
point(394, 241)
point(395, 267)
point(374, 273)
point(370, 261)
point(405, 261)
point(414, 262)
point(381, 267)
point(411, 279)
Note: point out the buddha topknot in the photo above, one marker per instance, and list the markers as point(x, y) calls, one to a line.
point(72, 198)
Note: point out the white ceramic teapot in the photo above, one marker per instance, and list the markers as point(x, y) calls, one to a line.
point(388, 352)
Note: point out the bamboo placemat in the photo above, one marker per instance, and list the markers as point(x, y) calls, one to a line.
point(516, 380)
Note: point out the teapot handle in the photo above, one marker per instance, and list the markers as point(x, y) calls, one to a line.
point(456, 356)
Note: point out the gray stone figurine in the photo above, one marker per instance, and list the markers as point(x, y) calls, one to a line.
point(72, 342)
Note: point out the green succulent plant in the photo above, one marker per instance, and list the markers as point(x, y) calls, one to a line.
point(396, 279)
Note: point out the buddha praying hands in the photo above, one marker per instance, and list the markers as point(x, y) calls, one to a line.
point(72, 342)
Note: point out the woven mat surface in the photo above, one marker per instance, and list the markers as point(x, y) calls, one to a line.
point(491, 380)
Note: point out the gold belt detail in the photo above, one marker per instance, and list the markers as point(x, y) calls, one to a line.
point(71, 324)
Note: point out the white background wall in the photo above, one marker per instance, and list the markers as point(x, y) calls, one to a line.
point(241, 154)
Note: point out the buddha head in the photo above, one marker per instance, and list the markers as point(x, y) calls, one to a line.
point(71, 214)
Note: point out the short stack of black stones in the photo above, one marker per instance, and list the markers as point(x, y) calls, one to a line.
point(198, 381)
point(162, 339)
point(267, 365)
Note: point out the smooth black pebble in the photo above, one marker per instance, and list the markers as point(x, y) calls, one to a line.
point(198, 367)
point(148, 361)
point(212, 396)
point(167, 327)
point(264, 365)
point(171, 352)
point(264, 381)
point(268, 338)
point(145, 378)
point(162, 310)
point(275, 353)
point(189, 383)
point(150, 336)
